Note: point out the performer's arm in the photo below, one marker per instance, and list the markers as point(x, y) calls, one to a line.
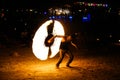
point(74, 44)
point(51, 39)
point(60, 36)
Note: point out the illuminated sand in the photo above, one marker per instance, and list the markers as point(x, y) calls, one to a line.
point(25, 66)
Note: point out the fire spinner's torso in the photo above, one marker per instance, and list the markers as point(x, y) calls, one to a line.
point(65, 43)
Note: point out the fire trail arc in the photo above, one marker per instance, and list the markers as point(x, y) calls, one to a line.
point(39, 48)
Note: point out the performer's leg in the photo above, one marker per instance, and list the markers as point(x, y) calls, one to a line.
point(62, 53)
point(49, 51)
point(70, 58)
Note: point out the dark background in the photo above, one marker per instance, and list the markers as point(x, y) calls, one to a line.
point(101, 25)
point(46, 3)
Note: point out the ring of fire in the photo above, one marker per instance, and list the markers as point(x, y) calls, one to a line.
point(38, 47)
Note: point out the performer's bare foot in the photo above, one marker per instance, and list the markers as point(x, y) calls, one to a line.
point(69, 66)
point(57, 66)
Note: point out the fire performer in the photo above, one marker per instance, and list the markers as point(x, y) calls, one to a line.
point(50, 35)
point(64, 48)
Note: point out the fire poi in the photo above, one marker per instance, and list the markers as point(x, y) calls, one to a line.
point(39, 48)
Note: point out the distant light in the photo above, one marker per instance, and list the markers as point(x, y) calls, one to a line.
point(36, 12)
point(59, 11)
point(89, 4)
point(80, 10)
point(119, 12)
point(110, 36)
point(59, 17)
point(15, 28)
point(7, 10)
point(109, 10)
point(86, 18)
point(106, 5)
point(118, 40)
point(50, 17)
point(70, 17)
point(99, 4)
point(97, 39)
point(30, 10)
point(92, 4)
point(45, 13)
point(25, 23)
point(53, 17)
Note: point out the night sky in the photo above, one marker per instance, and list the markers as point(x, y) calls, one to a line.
point(46, 3)
point(27, 3)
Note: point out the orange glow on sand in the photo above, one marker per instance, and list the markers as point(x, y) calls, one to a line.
point(38, 46)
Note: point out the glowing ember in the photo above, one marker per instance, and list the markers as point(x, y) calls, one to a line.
point(38, 46)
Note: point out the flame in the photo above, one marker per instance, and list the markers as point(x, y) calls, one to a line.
point(38, 46)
